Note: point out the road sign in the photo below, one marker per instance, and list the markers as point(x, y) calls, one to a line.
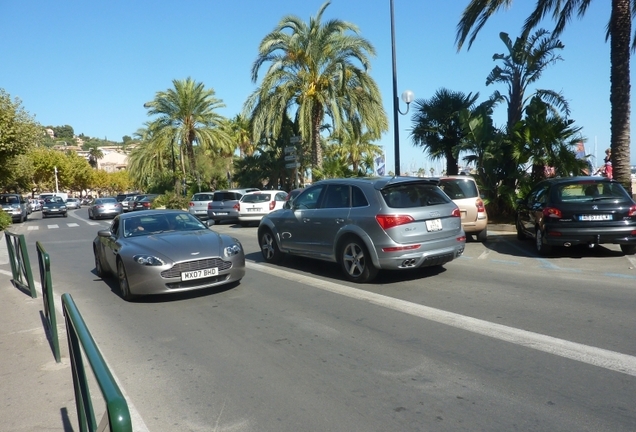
point(290, 158)
point(290, 149)
point(295, 139)
point(292, 165)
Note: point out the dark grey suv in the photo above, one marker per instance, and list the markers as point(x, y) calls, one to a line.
point(224, 205)
point(367, 224)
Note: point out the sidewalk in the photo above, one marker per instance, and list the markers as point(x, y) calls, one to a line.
point(37, 392)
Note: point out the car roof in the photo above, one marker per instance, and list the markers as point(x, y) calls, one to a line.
point(380, 183)
point(136, 213)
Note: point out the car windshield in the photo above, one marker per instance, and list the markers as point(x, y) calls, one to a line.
point(457, 188)
point(202, 197)
point(226, 196)
point(160, 222)
point(414, 195)
point(256, 198)
point(9, 199)
point(54, 200)
point(106, 201)
point(590, 191)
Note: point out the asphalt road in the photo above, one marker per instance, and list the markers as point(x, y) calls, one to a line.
point(498, 340)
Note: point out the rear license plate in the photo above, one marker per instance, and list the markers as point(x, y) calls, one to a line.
point(434, 225)
point(252, 210)
point(221, 213)
point(601, 217)
point(199, 274)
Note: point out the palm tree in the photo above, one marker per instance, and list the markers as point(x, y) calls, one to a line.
point(437, 125)
point(241, 133)
point(321, 70)
point(354, 148)
point(186, 118)
point(94, 155)
point(619, 30)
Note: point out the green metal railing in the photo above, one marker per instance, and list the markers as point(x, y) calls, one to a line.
point(44, 263)
point(20, 264)
point(117, 415)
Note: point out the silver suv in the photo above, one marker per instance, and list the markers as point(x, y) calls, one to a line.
point(367, 224)
point(15, 206)
point(225, 205)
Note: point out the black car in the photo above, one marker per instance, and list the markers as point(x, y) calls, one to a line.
point(577, 211)
point(54, 206)
point(143, 202)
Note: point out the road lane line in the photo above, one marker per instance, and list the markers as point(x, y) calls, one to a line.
point(583, 353)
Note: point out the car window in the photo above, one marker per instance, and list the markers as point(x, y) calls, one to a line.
point(414, 195)
point(590, 190)
point(459, 188)
point(256, 198)
point(308, 199)
point(202, 197)
point(281, 196)
point(227, 196)
point(357, 197)
point(336, 196)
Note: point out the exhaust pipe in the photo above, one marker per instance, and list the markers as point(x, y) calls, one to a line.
point(567, 244)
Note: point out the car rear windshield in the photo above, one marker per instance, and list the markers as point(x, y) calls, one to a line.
point(202, 197)
point(459, 188)
point(227, 196)
point(256, 198)
point(9, 199)
point(414, 195)
point(590, 190)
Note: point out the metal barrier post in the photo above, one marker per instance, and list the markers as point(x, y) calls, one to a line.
point(79, 338)
point(20, 264)
point(44, 262)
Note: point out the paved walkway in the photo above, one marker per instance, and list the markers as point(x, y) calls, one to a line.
point(37, 392)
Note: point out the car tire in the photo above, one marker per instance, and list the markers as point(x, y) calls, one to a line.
point(99, 270)
point(482, 235)
point(269, 248)
point(520, 234)
point(122, 278)
point(90, 216)
point(356, 262)
point(542, 248)
point(628, 249)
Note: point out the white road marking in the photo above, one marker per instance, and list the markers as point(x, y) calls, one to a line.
point(53, 226)
point(33, 228)
point(484, 254)
point(583, 353)
point(72, 225)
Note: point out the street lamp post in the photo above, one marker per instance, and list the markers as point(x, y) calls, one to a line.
point(407, 97)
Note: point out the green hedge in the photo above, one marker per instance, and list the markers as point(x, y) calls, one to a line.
point(5, 220)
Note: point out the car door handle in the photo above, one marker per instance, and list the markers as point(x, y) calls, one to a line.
point(339, 220)
point(306, 220)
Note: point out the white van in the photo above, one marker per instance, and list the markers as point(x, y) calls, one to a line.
point(46, 195)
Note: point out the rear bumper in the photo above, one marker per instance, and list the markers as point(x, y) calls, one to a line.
point(574, 236)
point(434, 253)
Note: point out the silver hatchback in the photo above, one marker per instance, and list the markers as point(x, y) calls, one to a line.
point(367, 224)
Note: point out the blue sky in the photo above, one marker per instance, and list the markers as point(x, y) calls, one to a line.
point(93, 64)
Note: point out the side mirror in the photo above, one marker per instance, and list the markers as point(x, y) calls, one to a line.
point(104, 233)
point(210, 222)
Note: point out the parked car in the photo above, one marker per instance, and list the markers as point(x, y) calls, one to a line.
point(367, 224)
point(464, 192)
point(224, 205)
point(54, 206)
point(73, 203)
point(144, 202)
point(254, 205)
point(166, 251)
point(198, 205)
point(577, 211)
point(293, 194)
point(15, 206)
point(121, 197)
point(35, 205)
point(128, 203)
point(106, 207)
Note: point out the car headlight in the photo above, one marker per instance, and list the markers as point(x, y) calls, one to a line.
point(62, 207)
point(148, 260)
point(232, 250)
point(45, 207)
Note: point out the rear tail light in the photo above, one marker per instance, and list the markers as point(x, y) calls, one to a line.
point(401, 248)
point(632, 211)
point(552, 212)
point(272, 204)
point(480, 205)
point(456, 212)
point(191, 204)
point(390, 221)
point(237, 206)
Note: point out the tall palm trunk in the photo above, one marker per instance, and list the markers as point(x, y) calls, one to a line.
point(316, 148)
point(620, 32)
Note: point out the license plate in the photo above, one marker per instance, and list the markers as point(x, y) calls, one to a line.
point(221, 213)
point(252, 210)
point(434, 225)
point(601, 217)
point(199, 274)
point(54, 210)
